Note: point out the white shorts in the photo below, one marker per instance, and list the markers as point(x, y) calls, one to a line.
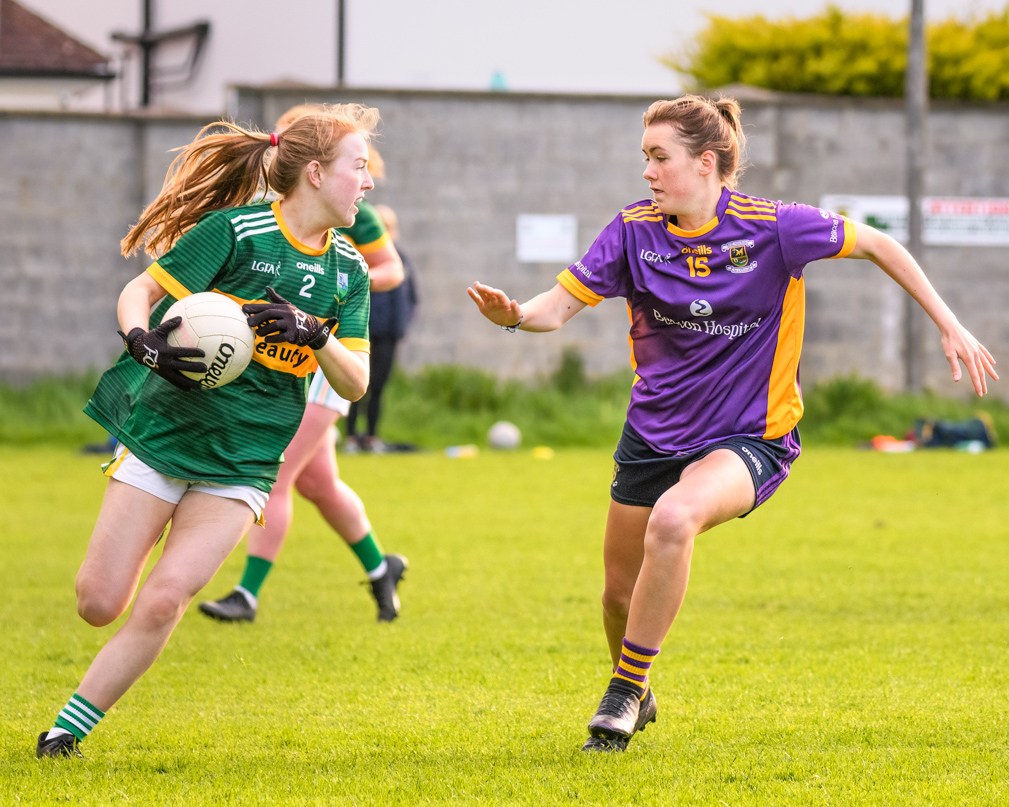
point(322, 394)
point(127, 467)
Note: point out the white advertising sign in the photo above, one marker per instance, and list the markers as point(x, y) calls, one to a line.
point(546, 239)
point(948, 221)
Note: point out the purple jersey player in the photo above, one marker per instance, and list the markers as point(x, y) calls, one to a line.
point(713, 282)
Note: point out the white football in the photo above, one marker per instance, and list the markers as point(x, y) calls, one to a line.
point(216, 325)
point(504, 436)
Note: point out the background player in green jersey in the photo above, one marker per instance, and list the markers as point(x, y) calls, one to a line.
point(310, 460)
point(206, 460)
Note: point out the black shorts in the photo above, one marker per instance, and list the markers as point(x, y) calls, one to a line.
point(641, 474)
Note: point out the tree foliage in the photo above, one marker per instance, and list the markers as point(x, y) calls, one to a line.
point(836, 53)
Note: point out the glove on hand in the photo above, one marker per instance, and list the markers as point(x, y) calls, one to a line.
point(280, 321)
point(152, 350)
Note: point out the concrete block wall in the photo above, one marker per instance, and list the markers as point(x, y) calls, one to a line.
point(461, 167)
point(803, 148)
point(70, 187)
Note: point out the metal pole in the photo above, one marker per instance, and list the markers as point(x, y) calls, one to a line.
point(916, 111)
point(340, 41)
point(145, 54)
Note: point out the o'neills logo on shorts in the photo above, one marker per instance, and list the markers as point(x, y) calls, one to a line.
point(217, 367)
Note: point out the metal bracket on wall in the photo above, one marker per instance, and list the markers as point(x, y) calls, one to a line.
point(148, 40)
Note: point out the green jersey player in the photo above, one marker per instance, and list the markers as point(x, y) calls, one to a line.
point(237, 252)
point(206, 460)
point(310, 460)
point(310, 466)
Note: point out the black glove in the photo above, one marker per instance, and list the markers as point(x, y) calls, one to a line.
point(280, 321)
point(151, 349)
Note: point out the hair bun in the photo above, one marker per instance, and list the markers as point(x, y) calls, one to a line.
point(729, 109)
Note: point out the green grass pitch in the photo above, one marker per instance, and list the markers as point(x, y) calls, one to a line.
point(845, 645)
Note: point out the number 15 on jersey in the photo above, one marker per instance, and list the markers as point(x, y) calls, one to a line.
point(698, 265)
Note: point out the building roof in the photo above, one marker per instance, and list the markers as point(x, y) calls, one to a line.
point(31, 47)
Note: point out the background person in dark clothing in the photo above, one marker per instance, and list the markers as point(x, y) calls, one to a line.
point(391, 312)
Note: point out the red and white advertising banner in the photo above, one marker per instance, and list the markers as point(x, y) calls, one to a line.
point(948, 220)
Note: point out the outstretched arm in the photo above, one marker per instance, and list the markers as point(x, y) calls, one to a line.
point(957, 342)
point(544, 312)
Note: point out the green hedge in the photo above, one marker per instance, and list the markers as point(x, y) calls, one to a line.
point(849, 410)
point(49, 411)
point(450, 405)
point(837, 53)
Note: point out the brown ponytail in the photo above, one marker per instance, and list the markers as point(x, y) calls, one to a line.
point(228, 168)
point(703, 125)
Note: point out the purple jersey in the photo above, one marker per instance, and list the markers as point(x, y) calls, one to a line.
point(716, 314)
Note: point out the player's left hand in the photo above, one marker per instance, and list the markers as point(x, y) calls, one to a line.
point(960, 346)
point(152, 349)
point(280, 321)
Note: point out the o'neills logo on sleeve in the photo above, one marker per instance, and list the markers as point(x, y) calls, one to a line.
point(285, 357)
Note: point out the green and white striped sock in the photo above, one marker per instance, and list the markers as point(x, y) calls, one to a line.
point(78, 717)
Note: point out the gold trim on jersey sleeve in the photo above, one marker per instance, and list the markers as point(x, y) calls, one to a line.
point(167, 282)
point(294, 241)
point(352, 343)
point(575, 286)
point(849, 239)
point(374, 246)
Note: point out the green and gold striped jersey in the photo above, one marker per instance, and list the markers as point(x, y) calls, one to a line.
point(236, 435)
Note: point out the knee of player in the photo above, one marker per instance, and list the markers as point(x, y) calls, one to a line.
point(96, 607)
point(162, 603)
point(616, 601)
point(672, 525)
point(314, 487)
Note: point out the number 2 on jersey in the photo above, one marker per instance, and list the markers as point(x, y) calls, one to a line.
point(309, 281)
point(698, 266)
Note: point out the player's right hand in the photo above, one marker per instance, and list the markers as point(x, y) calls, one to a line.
point(152, 350)
point(495, 305)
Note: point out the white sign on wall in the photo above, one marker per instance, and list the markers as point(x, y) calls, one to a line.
point(546, 239)
point(948, 221)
